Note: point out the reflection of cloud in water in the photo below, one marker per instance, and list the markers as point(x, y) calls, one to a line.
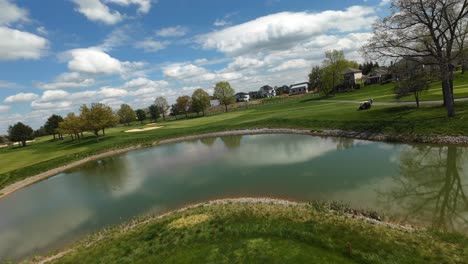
point(13, 242)
point(260, 151)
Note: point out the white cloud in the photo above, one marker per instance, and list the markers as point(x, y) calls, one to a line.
point(56, 106)
point(177, 31)
point(4, 108)
point(42, 31)
point(68, 80)
point(291, 64)
point(21, 97)
point(112, 102)
point(241, 63)
point(54, 95)
point(221, 23)
point(150, 45)
point(15, 44)
point(284, 30)
point(93, 61)
point(187, 72)
point(144, 5)
point(11, 13)
point(144, 82)
point(385, 2)
point(95, 10)
point(5, 84)
point(117, 37)
point(109, 92)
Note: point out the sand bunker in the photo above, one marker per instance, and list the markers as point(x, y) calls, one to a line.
point(142, 129)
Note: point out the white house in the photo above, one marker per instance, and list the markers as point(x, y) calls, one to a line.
point(214, 103)
point(242, 97)
point(352, 76)
point(267, 92)
point(298, 88)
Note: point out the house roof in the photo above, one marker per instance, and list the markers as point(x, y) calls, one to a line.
point(351, 70)
point(299, 84)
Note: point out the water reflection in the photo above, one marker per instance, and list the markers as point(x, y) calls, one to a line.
point(415, 181)
point(208, 141)
point(232, 142)
point(433, 185)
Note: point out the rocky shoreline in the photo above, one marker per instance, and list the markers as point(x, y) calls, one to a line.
point(451, 140)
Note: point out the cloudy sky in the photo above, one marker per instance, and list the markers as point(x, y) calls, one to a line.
point(58, 54)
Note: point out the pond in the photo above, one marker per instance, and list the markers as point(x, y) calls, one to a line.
point(419, 184)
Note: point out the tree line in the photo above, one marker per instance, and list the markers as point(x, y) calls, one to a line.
point(97, 117)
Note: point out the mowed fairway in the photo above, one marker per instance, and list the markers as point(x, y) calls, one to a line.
point(19, 163)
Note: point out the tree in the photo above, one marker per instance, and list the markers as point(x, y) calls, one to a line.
point(224, 93)
point(413, 79)
point(315, 78)
point(97, 117)
point(52, 125)
point(126, 114)
point(427, 32)
point(72, 125)
point(200, 101)
point(174, 111)
point(333, 67)
point(163, 106)
point(432, 186)
point(20, 133)
point(154, 112)
point(141, 115)
point(183, 104)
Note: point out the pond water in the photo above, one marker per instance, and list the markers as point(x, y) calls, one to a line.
point(419, 184)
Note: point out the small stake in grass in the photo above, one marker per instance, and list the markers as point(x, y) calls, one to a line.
point(350, 249)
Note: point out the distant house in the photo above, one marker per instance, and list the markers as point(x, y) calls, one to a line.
point(242, 97)
point(352, 77)
point(253, 95)
point(266, 92)
point(282, 90)
point(298, 88)
point(376, 76)
point(214, 103)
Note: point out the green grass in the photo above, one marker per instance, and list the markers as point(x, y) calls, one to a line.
point(385, 93)
point(265, 233)
point(19, 163)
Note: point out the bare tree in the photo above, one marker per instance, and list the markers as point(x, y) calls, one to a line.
point(431, 32)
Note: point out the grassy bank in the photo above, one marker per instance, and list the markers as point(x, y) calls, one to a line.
point(19, 163)
point(385, 93)
point(234, 232)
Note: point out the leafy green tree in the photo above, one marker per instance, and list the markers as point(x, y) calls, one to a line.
point(200, 101)
point(141, 115)
point(97, 117)
point(183, 104)
point(20, 133)
point(154, 112)
point(72, 125)
point(126, 114)
point(162, 105)
point(52, 125)
point(224, 93)
point(332, 70)
point(315, 78)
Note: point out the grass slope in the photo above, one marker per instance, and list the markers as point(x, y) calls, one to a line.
point(265, 233)
point(385, 93)
point(19, 163)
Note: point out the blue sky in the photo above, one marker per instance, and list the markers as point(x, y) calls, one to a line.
point(58, 54)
